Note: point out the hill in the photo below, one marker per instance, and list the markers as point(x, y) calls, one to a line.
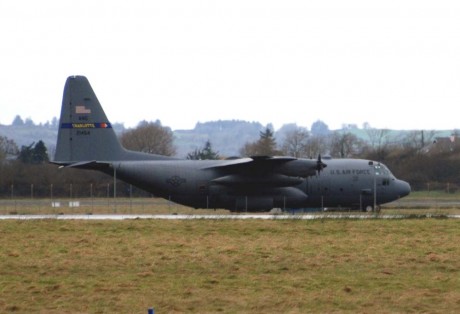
point(226, 136)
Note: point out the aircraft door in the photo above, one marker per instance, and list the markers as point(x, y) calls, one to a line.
point(204, 198)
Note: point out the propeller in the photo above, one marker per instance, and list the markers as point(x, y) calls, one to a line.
point(320, 165)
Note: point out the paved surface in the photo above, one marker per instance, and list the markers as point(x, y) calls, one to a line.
point(226, 217)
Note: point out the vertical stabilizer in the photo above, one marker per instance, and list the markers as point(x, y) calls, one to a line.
point(85, 133)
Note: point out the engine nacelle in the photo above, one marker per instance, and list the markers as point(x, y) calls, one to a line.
point(271, 180)
point(298, 168)
point(286, 197)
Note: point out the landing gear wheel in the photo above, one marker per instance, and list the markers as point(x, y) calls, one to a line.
point(370, 209)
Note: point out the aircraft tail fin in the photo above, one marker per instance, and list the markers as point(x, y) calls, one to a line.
point(85, 133)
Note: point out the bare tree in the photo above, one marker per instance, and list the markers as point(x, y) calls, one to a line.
point(346, 145)
point(296, 143)
point(7, 147)
point(316, 145)
point(379, 142)
point(417, 141)
point(149, 137)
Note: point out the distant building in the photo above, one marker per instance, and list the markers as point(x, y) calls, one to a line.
point(445, 144)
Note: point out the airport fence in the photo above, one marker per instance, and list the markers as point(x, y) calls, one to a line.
point(96, 205)
point(125, 199)
point(109, 198)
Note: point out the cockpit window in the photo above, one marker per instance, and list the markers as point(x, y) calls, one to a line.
point(382, 171)
point(386, 171)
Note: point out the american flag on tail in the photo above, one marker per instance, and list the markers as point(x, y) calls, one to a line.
point(82, 110)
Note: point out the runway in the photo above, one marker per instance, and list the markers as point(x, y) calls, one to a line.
point(228, 217)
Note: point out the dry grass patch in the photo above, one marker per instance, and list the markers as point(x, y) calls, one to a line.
point(230, 266)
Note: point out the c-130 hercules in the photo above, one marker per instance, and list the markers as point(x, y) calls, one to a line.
point(86, 140)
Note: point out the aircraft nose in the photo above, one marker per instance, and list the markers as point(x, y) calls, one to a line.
point(403, 188)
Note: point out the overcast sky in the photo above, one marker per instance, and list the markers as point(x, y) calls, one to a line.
point(393, 64)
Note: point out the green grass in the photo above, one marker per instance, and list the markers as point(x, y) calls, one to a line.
point(248, 266)
point(434, 194)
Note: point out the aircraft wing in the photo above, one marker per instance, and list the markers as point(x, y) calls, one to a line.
point(253, 162)
point(265, 170)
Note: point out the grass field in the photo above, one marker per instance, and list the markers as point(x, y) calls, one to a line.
point(250, 266)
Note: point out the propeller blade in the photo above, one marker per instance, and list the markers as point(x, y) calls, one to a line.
point(320, 165)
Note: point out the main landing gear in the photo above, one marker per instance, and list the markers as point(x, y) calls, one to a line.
point(370, 209)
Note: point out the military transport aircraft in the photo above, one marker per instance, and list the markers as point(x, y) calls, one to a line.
point(86, 140)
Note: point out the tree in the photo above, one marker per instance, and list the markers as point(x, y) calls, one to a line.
point(25, 155)
point(377, 137)
point(40, 153)
point(205, 153)
point(7, 147)
point(267, 142)
point(417, 141)
point(149, 137)
point(31, 154)
point(264, 146)
point(379, 142)
point(316, 145)
point(296, 142)
point(346, 145)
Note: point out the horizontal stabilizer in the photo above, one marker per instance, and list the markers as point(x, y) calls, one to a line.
point(93, 165)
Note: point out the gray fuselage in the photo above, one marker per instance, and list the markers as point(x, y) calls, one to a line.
point(348, 183)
